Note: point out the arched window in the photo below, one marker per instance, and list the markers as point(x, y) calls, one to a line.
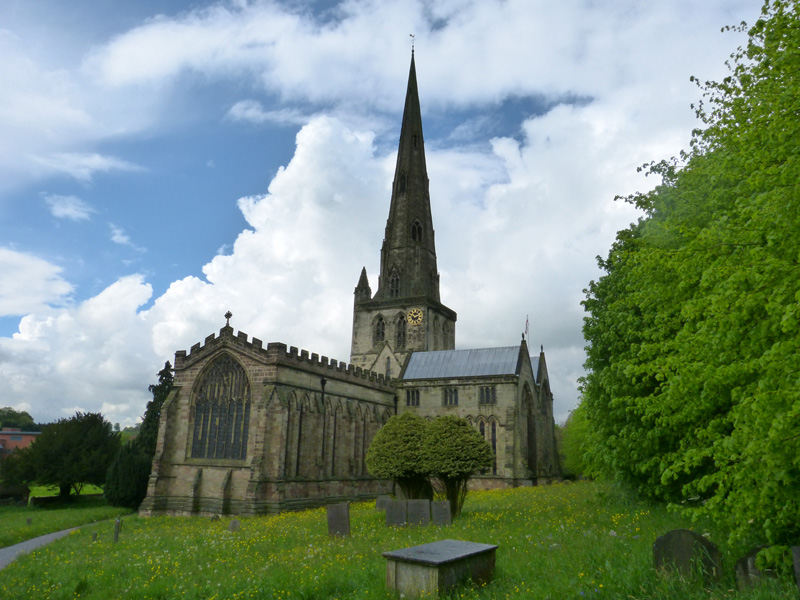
point(416, 232)
point(394, 285)
point(402, 184)
point(380, 329)
point(221, 412)
point(401, 332)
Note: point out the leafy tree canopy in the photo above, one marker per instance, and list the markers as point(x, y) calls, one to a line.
point(692, 392)
point(10, 417)
point(68, 454)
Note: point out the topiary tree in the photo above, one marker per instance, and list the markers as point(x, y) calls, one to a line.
point(452, 451)
point(396, 453)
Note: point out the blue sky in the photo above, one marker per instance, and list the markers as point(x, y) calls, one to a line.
point(164, 162)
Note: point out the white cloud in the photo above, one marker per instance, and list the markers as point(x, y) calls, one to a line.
point(251, 111)
point(82, 166)
point(29, 283)
point(68, 207)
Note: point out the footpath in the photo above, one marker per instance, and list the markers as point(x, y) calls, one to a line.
point(10, 553)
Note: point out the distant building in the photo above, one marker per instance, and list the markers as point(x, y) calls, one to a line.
point(249, 429)
point(12, 438)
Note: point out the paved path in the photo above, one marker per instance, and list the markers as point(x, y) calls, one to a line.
point(10, 553)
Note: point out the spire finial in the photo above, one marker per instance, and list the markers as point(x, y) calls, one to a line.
point(228, 316)
point(413, 39)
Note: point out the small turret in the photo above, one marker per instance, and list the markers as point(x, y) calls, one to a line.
point(363, 292)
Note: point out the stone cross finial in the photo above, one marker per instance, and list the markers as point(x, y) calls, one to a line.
point(228, 316)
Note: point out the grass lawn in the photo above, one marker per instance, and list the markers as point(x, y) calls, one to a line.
point(14, 526)
point(581, 540)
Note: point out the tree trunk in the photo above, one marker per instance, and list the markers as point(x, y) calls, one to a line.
point(64, 490)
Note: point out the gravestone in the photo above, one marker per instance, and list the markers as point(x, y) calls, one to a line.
point(94, 537)
point(382, 501)
point(747, 574)
point(396, 513)
point(214, 518)
point(687, 553)
point(234, 525)
point(29, 520)
point(418, 512)
point(339, 519)
point(436, 568)
point(117, 528)
point(440, 512)
point(796, 564)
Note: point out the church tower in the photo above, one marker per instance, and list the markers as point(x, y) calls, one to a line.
point(405, 315)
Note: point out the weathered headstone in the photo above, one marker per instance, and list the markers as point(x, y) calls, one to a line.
point(234, 525)
point(29, 520)
point(418, 512)
point(396, 513)
point(747, 574)
point(687, 553)
point(339, 519)
point(117, 527)
point(440, 512)
point(214, 518)
point(94, 537)
point(382, 501)
point(796, 564)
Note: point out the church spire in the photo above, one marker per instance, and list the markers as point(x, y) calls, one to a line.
point(408, 254)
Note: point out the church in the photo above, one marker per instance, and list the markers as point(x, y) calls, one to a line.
point(251, 429)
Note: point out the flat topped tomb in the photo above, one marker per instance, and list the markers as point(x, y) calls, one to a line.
point(436, 568)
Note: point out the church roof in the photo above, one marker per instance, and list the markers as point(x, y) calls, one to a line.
point(475, 362)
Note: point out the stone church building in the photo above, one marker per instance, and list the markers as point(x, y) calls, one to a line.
point(252, 429)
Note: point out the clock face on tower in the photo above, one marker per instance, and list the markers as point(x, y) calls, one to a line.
point(415, 316)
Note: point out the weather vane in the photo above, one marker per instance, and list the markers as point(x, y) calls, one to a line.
point(413, 38)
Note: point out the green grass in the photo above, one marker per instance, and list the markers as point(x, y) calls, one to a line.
point(45, 492)
point(565, 541)
point(14, 526)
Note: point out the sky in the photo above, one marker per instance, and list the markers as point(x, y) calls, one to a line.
point(164, 162)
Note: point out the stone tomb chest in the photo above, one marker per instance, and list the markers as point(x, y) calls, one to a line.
point(436, 568)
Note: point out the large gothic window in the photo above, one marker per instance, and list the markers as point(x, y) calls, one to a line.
point(380, 330)
point(394, 285)
point(401, 332)
point(221, 411)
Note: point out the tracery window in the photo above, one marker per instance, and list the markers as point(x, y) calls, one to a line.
point(380, 329)
point(412, 397)
point(221, 411)
point(401, 332)
point(394, 285)
point(450, 396)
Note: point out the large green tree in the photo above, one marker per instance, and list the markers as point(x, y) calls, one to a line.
point(453, 451)
point(67, 454)
point(692, 391)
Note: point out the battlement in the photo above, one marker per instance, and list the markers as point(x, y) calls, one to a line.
point(274, 353)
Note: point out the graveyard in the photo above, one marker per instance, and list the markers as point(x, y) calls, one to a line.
point(569, 540)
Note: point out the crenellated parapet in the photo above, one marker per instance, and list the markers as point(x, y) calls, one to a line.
point(276, 353)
